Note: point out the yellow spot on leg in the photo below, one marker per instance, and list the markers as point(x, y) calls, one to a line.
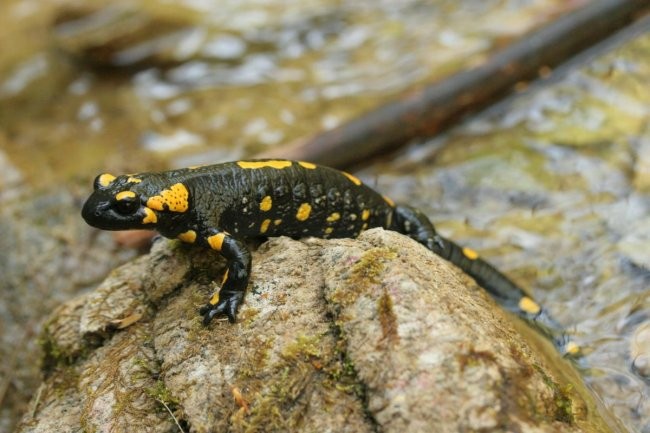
point(265, 226)
point(150, 216)
point(303, 212)
point(225, 278)
point(308, 165)
point(572, 349)
point(365, 214)
point(124, 195)
point(529, 306)
point(335, 216)
point(353, 179)
point(189, 236)
point(176, 198)
point(272, 163)
point(214, 300)
point(266, 203)
point(216, 241)
point(470, 253)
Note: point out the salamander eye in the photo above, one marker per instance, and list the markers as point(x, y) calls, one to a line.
point(126, 203)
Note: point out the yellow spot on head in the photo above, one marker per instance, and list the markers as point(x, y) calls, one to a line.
point(333, 217)
point(303, 212)
point(272, 163)
point(216, 241)
point(529, 306)
point(470, 253)
point(124, 195)
point(176, 198)
point(308, 165)
point(265, 226)
point(133, 179)
point(390, 202)
point(354, 180)
point(106, 179)
point(189, 236)
point(277, 222)
point(365, 214)
point(266, 203)
point(150, 216)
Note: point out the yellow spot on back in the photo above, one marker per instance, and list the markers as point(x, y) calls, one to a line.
point(216, 241)
point(333, 217)
point(277, 222)
point(529, 306)
point(303, 212)
point(365, 214)
point(329, 230)
point(124, 194)
point(175, 197)
point(189, 236)
point(133, 179)
point(272, 163)
point(150, 216)
point(106, 179)
point(353, 179)
point(266, 203)
point(308, 165)
point(470, 253)
point(390, 202)
point(265, 226)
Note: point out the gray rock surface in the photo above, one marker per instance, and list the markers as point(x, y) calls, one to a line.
point(373, 334)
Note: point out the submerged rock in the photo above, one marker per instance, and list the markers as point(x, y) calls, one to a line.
point(372, 334)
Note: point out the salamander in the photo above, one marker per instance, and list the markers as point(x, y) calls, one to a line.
point(222, 206)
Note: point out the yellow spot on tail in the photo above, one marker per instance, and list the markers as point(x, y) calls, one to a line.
point(150, 216)
point(365, 214)
point(214, 300)
point(572, 349)
point(272, 163)
point(335, 216)
point(176, 198)
point(354, 180)
point(303, 212)
point(106, 179)
point(266, 203)
point(470, 253)
point(308, 165)
point(216, 241)
point(390, 202)
point(124, 194)
point(277, 222)
point(265, 226)
point(529, 306)
point(189, 236)
point(133, 179)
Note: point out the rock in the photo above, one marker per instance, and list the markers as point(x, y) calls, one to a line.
point(372, 334)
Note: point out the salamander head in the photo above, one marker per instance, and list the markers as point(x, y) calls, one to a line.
point(117, 204)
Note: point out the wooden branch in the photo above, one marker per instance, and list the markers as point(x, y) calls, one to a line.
point(434, 108)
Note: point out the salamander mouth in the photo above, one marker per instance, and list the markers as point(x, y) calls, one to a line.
point(99, 214)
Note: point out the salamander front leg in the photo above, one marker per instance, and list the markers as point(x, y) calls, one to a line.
point(235, 280)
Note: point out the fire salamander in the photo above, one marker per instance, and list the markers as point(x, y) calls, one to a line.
point(221, 206)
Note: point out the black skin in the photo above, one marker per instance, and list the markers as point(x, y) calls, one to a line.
point(227, 200)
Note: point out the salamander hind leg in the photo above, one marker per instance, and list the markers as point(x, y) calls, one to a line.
point(235, 279)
